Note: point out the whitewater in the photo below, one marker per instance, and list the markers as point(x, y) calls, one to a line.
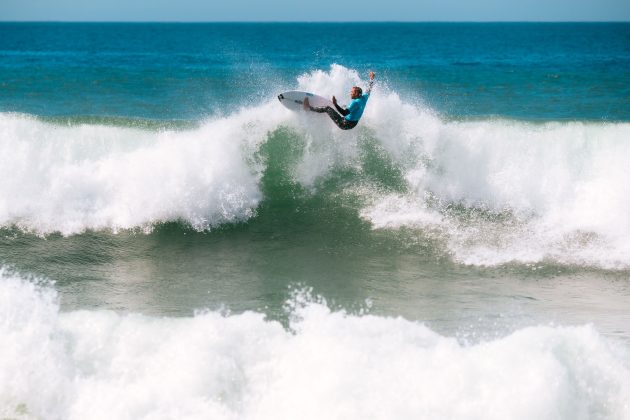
point(324, 364)
point(488, 191)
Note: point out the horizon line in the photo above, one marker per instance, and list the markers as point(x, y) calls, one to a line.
point(312, 21)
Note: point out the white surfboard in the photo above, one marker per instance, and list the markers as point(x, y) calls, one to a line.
point(294, 99)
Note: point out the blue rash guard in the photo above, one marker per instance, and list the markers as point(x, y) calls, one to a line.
point(356, 107)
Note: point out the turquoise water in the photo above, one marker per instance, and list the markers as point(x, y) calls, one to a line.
point(189, 71)
point(462, 253)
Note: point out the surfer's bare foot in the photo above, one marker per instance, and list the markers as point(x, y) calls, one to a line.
point(306, 105)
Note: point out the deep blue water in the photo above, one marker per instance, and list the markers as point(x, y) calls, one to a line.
point(537, 71)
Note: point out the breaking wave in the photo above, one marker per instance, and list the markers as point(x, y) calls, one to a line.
point(489, 191)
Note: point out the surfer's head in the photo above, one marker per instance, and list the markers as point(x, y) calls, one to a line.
point(356, 92)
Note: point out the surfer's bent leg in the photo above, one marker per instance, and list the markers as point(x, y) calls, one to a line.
point(334, 115)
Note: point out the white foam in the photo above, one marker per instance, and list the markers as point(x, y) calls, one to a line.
point(69, 179)
point(563, 184)
point(99, 364)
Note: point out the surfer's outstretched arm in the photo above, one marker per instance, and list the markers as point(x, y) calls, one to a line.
point(369, 89)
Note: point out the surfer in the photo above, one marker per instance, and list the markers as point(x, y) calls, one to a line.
point(346, 118)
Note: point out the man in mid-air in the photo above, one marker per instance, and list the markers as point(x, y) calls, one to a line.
point(346, 118)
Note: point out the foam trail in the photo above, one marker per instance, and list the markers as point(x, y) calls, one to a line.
point(99, 364)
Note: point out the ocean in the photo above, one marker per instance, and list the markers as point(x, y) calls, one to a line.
point(175, 244)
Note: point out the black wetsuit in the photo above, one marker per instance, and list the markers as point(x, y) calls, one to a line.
point(338, 119)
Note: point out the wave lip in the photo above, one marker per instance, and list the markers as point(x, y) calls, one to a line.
point(69, 179)
point(97, 364)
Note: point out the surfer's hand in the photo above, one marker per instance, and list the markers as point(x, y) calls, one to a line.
point(334, 100)
point(371, 75)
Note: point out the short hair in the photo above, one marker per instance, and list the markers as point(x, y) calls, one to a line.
point(359, 89)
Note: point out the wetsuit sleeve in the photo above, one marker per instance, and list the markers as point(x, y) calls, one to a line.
point(341, 110)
